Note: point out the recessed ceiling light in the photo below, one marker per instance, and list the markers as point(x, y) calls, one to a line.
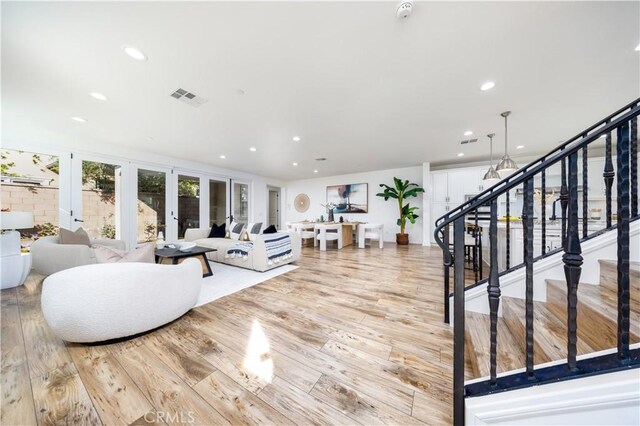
point(223, 157)
point(519, 146)
point(134, 53)
point(79, 119)
point(295, 164)
point(468, 133)
point(461, 154)
point(296, 138)
point(487, 86)
point(315, 171)
point(638, 48)
point(252, 149)
point(98, 96)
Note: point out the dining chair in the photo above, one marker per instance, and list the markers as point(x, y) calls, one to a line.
point(370, 231)
point(328, 233)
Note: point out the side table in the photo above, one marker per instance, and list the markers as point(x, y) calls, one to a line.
point(14, 269)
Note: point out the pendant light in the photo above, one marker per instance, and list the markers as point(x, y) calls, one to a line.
point(491, 175)
point(506, 165)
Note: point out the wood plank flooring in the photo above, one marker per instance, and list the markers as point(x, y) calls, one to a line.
point(351, 337)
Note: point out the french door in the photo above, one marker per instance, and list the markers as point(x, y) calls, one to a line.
point(97, 195)
point(240, 201)
point(154, 210)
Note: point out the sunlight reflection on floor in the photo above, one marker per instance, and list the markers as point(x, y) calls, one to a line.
point(257, 359)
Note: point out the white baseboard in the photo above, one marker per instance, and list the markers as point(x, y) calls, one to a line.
point(611, 399)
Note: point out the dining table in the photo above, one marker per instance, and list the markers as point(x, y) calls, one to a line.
point(349, 229)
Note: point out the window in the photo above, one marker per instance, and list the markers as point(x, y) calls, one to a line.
point(30, 183)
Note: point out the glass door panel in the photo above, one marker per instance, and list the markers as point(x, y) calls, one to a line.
point(217, 202)
point(240, 199)
point(188, 203)
point(151, 205)
point(31, 183)
point(101, 199)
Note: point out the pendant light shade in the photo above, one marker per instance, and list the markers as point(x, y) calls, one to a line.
point(491, 175)
point(506, 165)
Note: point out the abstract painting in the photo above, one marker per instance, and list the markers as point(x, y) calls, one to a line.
point(352, 198)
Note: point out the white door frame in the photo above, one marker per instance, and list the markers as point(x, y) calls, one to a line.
point(171, 230)
point(250, 197)
point(76, 203)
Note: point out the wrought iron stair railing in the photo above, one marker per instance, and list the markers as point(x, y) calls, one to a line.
point(572, 158)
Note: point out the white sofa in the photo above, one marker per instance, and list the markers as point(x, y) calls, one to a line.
point(94, 303)
point(257, 259)
point(49, 256)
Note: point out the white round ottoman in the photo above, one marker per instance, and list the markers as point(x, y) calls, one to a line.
point(100, 302)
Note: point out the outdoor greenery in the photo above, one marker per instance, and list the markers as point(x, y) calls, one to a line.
point(402, 191)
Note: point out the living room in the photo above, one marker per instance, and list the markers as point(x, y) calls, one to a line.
point(284, 212)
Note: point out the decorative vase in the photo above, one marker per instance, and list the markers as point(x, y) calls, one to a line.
point(341, 219)
point(402, 239)
point(321, 218)
point(331, 218)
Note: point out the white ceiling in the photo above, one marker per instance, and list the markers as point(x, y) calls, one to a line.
point(360, 87)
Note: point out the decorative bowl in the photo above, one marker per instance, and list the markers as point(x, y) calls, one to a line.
point(185, 246)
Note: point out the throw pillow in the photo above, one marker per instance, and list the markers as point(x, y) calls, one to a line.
point(143, 254)
point(217, 231)
point(271, 229)
point(253, 230)
point(79, 237)
point(235, 230)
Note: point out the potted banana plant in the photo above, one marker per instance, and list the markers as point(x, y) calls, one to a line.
point(403, 189)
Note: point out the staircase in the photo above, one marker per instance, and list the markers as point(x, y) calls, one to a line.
point(554, 323)
point(597, 323)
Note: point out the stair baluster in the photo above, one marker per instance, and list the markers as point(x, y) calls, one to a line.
point(622, 154)
point(508, 229)
point(608, 177)
point(493, 287)
point(458, 320)
point(527, 229)
point(585, 192)
point(634, 166)
point(543, 213)
point(572, 259)
point(564, 199)
point(446, 262)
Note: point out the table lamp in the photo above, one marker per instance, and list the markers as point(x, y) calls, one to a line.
point(9, 222)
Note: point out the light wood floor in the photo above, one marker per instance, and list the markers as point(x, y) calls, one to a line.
point(351, 337)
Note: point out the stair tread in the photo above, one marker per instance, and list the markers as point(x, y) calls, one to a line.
point(549, 331)
point(604, 301)
point(478, 344)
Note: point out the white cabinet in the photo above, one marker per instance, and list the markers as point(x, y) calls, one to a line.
point(439, 183)
point(451, 187)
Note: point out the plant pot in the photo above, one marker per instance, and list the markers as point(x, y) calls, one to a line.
point(402, 239)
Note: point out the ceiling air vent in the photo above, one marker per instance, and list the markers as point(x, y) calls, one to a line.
point(468, 141)
point(188, 98)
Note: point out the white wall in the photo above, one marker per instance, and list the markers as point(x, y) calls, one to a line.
point(380, 211)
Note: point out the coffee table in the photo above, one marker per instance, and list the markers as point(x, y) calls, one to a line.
point(176, 256)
